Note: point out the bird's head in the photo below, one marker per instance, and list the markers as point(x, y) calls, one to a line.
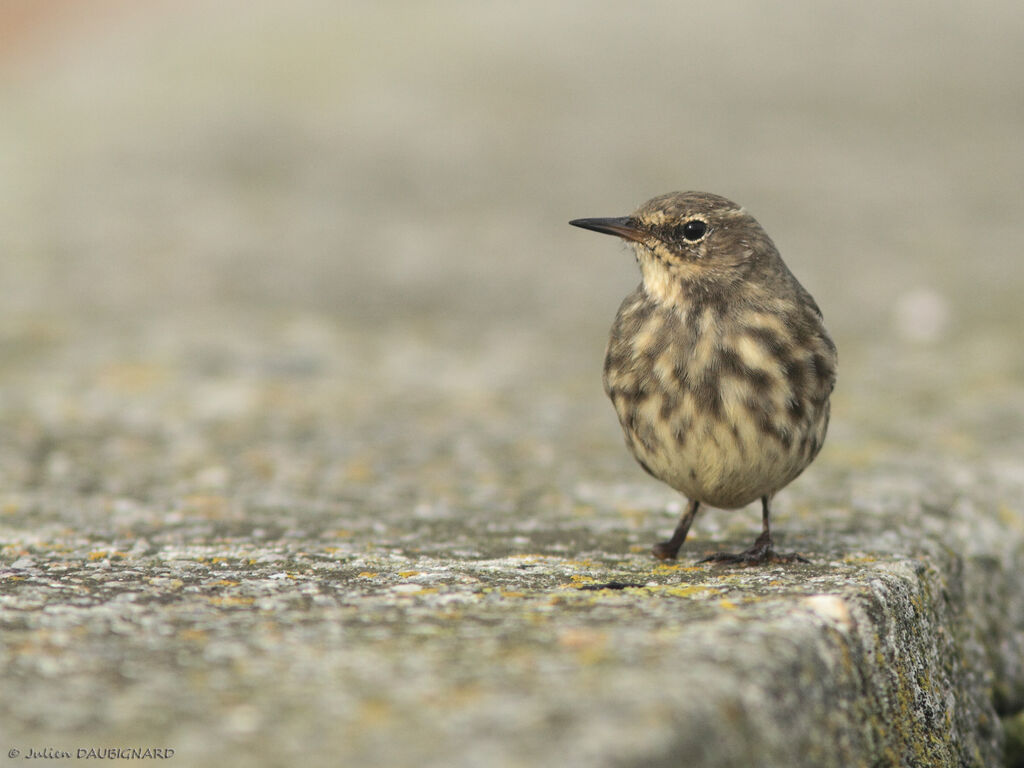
point(686, 238)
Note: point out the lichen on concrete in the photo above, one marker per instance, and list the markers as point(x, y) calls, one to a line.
point(855, 659)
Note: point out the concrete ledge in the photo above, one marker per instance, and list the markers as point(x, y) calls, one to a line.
point(900, 644)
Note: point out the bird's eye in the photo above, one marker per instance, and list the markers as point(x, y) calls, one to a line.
point(694, 229)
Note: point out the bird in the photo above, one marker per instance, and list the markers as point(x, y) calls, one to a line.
point(718, 364)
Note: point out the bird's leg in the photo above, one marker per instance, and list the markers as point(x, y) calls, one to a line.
point(761, 551)
point(667, 550)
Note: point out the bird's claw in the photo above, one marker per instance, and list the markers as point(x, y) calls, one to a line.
point(754, 556)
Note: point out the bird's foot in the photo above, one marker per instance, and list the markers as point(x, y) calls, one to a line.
point(665, 550)
point(760, 553)
point(748, 557)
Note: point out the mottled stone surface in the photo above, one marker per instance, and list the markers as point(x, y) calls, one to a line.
point(304, 457)
point(278, 634)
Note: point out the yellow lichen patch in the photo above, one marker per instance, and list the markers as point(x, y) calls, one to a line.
point(512, 593)
point(861, 455)
point(229, 602)
point(98, 555)
point(958, 442)
point(358, 471)
point(259, 463)
point(728, 605)
point(130, 378)
point(408, 574)
point(454, 697)
point(193, 636)
point(636, 517)
point(374, 712)
point(165, 583)
point(1009, 516)
point(663, 568)
point(697, 590)
point(367, 575)
point(209, 505)
point(224, 583)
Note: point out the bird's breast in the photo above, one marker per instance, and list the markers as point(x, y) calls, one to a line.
point(724, 406)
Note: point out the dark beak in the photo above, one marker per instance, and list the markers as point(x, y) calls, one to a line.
point(623, 226)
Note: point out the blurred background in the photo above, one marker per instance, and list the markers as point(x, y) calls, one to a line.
point(218, 222)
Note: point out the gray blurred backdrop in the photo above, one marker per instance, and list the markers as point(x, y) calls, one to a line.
point(401, 173)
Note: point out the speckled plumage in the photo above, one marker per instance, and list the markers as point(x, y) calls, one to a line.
point(718, 365)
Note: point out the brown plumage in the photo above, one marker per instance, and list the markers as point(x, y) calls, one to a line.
point(718, 365)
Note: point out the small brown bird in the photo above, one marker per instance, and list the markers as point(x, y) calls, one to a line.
point(718, 365)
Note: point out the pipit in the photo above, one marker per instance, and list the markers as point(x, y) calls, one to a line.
point(718, 365)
